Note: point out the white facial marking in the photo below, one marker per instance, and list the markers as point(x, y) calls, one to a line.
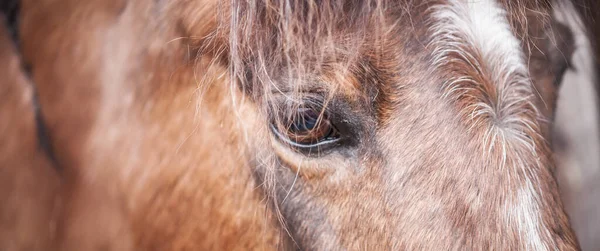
point(482, 25)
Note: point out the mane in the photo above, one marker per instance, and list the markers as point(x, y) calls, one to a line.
point(301, 36)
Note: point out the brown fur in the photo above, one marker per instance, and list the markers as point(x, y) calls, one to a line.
point(136, 141)
point(29, 186)
point(159, 111)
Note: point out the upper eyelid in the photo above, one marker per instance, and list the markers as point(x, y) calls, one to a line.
point(310, 100)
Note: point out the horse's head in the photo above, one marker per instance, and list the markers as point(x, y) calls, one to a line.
point(403, 124)
point(325, 125)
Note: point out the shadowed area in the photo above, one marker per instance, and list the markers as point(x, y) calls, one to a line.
point(29, 185)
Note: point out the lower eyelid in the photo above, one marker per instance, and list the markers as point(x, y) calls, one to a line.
point(301, 146)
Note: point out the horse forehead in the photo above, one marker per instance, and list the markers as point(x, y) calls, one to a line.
point(469, 45)
point(484, 34)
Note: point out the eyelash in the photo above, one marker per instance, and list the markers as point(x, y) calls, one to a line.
point(309, 130)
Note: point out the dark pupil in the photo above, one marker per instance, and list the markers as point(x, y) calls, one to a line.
point(306, 120)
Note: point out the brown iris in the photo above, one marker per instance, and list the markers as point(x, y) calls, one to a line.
point(309, 128)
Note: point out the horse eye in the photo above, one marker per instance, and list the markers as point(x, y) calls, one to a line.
point(308, 128)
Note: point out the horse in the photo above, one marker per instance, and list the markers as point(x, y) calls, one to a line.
point(282, 124)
